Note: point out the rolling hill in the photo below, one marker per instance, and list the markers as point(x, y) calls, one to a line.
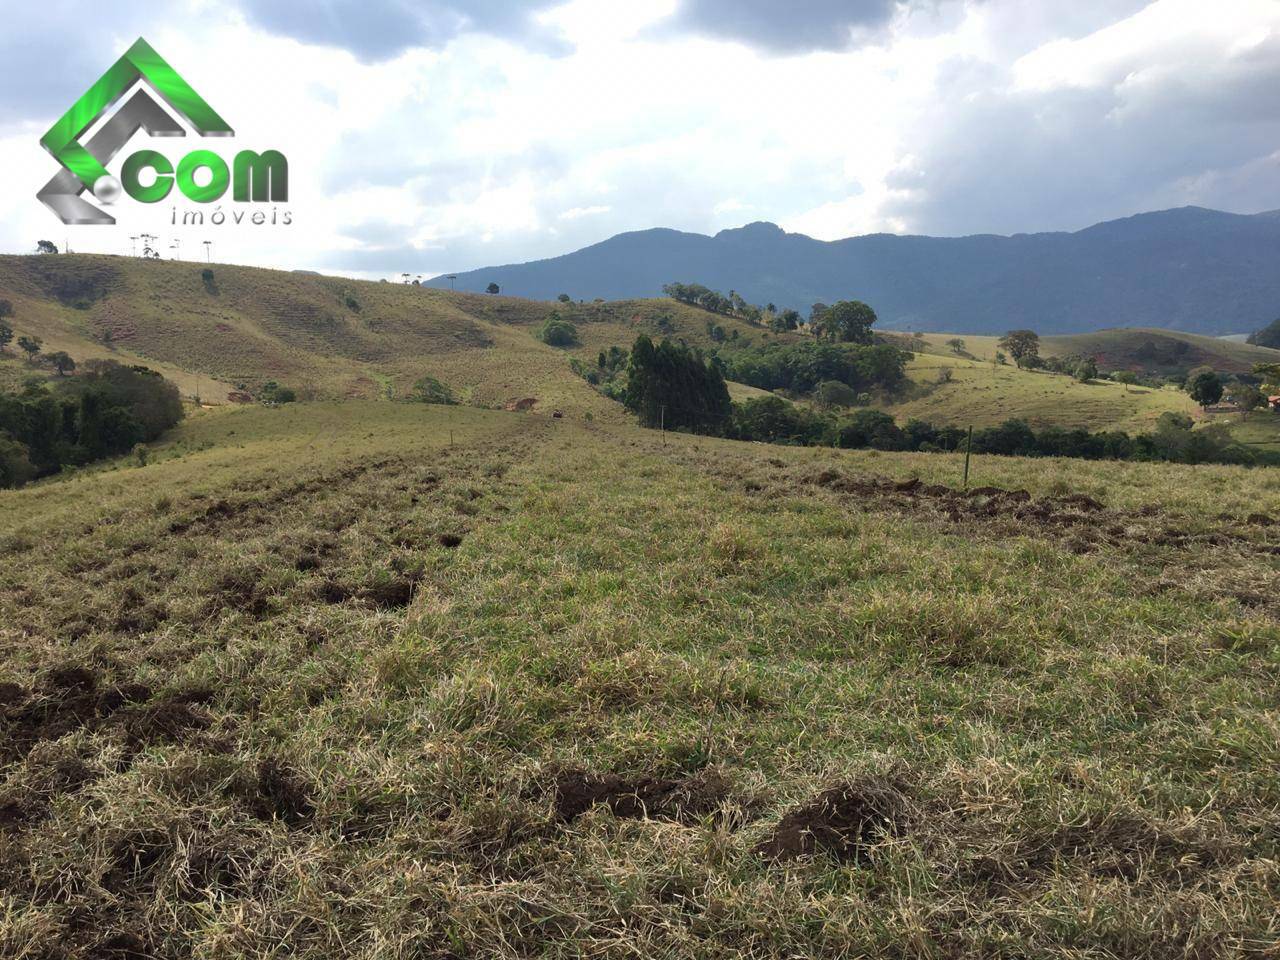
point(331, 338)
point(1189, 269)
point(327, 337)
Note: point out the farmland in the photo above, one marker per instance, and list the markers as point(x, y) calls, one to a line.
point(396, 680)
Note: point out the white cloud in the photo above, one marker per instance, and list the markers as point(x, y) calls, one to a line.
point(486, 144)
point(577, 213)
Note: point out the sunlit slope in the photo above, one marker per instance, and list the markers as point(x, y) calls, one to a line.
point(1138, 349)
point(985, 393)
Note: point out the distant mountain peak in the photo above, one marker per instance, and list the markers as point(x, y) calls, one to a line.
point(759, 230)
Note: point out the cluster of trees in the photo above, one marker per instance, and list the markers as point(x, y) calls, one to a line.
point(556, 331)
point(105, 411)
point(802, 367)
point(672, 386)
point(272, 394)
point(608, 374)
point(774, 420)
point(696, 295)
point(847, 321)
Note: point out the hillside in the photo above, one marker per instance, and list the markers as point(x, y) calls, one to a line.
point(1160, 351)
point(979, 393)
point(332, 338)
point(1188, 269)
point(327, 337)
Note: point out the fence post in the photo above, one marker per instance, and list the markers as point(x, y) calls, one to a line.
point(968, 450)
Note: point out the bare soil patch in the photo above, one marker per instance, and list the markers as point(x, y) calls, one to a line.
point(845, 822)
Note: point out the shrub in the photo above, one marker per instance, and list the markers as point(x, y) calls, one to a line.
point(431, 390)
point(833, 393)
point(16, 468)
point(871, 428)
point(557, 332)
point(272, 393)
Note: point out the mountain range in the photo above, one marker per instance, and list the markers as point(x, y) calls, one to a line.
point(1191, 269)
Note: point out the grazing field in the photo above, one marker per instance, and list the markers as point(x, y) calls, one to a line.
point(1130, 348)
point(377, 680)
point(984, 394)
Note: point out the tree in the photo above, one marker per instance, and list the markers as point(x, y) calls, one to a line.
point(557, 331)
point(956, 345)
point(1269, 374)
point(1127, 377)
point(1248, 398)
point(62, 362)
point(1205, 388)
point(1023, 346)
point(1086, 370)
point(833, 393)
point(565, 298)
point(848, 321)
point(787, 320)
point(816, 313)
point(6, 335)
point(1000, 358)
point(493, 288)
point(31, 345)
point(44, 246)
point(1268, 336)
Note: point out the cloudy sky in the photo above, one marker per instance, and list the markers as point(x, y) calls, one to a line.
point(451, 134)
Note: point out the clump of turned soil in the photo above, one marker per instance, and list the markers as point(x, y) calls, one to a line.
point(844, 822)
point(684, 800)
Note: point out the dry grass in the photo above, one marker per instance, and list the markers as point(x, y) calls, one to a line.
point(319, 683)
point(327, 337)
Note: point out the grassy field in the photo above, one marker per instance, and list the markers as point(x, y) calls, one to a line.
point(1130, 348)
point(984, 394)
point(389, 681)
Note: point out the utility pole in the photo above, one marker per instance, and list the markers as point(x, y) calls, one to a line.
point(662, 423)
point(208, 251)
point(452, 277)
point(135, 245)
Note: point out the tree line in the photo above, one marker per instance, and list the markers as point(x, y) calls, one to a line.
point(103, 412)
point(674, 386)
point(1175, 439)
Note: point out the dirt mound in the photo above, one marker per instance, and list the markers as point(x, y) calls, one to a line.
point(684, 800)
point(521, 405)
point(843, 822)
point(390, 594)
